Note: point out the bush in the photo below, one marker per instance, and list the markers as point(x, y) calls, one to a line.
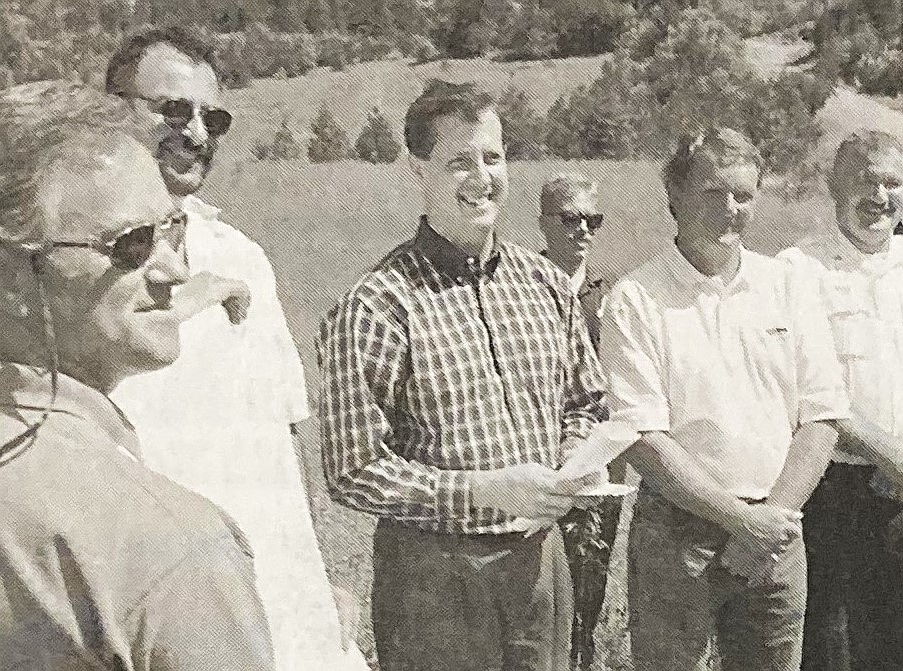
point(370, 48)
point(523, 129)
point(285, 146)
point(585, 29)
point(329, 141)
point(881, 74)
point(335, 51)
point(610, 118)
point(418, 47)
point(376, 143)
point(231, 50)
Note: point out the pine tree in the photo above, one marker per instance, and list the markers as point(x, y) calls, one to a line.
point(376, 143)
point(329, 141)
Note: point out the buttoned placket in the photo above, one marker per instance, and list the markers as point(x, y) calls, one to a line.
point(476, 276)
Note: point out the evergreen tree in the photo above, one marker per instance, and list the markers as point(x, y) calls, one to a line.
point(329, 141)
point(376, 143)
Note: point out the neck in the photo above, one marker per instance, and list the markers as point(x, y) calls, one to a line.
point(480, 244)
point(565, 259)
point(709, 261)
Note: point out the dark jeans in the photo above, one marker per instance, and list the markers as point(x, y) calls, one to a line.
point(854, 614)
point(445, 602)
point(680, 597)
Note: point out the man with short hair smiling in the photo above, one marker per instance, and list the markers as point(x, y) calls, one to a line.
point(218, 421)
point(103, 563)
point(859, 265)
point(454, 375)
point(722, 359)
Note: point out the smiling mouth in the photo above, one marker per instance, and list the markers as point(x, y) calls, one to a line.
point(480, 201)
point(155, 307)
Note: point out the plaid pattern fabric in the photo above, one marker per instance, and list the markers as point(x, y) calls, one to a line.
point(432, 366)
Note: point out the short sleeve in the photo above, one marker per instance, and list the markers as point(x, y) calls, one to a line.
point(820, 384)
point(631, 357)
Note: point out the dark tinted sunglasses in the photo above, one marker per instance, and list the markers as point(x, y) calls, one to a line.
point(179, 112)
point(574, 219)
point(132, 247)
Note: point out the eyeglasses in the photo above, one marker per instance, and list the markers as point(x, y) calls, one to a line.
point(179, 112)
point(574, 219)
point(132, 247)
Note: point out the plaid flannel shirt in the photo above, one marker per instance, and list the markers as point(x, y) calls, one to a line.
point(433, 366)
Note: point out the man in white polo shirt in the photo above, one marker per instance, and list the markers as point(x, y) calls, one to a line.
point(859, 265)
point(723, 361)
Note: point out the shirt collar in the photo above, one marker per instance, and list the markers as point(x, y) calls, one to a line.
point(575, 281)
point(687, 274)
point(27, 389)
point(846, 252)
point(448, 257)
point(193, 205)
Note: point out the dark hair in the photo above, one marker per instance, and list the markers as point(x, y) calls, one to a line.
point(439, 99)
point(852, 155)
point(123, 64)
point(45, 122)
point(723, 146)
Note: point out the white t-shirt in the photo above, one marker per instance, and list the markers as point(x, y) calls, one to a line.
point(862, 295)
point(729, 371)
point(217, 422)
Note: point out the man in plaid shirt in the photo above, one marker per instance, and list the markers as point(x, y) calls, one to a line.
point(455, 376)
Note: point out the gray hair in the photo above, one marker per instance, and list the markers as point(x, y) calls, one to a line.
point(42, 124)
point(721, 146)
point(561, 188)
point(853, 155)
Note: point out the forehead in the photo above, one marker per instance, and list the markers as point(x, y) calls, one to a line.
point(578, 199)
point(884, 161)
point(711, 171)
point(103, 193)
point(455, 134)
point(166, 72)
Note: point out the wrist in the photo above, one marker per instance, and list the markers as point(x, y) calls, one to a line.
point(477, 483)
point(737, 519)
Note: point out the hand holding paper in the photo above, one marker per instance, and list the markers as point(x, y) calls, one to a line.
point(584, 475)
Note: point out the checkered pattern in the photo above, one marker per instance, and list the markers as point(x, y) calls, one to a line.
point(433, 366)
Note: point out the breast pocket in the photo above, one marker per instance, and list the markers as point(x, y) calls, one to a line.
point(768, 345)
point(852, 326)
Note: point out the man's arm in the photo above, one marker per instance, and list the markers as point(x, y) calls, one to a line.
point(807, 458)
point(205, 615)
point(585, 383)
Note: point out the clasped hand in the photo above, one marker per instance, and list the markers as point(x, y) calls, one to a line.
point(757, 543)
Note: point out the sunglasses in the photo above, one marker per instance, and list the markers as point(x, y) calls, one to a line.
point(179, 112)
point(574, 219)
point(133, 246)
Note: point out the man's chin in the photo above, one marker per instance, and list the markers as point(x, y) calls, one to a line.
point(181, 184)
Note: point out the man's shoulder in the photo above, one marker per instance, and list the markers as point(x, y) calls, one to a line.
point(381, 289)
point(536, 266)
point(813, 252)
point(221, 235)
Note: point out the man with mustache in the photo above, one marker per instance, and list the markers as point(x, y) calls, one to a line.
point(219, 420)
point(722, 359)
point(853, 574)
point(455, 374)
point(569, 218)
point(104, 564)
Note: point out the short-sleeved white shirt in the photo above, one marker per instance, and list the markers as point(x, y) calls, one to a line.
point(728, 370)
point(862, 295)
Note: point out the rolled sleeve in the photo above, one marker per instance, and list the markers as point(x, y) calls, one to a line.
point(821, 391)
point(632, 362)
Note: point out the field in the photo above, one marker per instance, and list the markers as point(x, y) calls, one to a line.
point(323, 225)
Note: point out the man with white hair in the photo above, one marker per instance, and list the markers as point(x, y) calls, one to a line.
point(854, 611)
point(104, 564)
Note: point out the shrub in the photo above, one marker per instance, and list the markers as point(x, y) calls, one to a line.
point(377, 143)
point(880, 74)
point(285, 146)
point(329, 141)
point(375, 48)
point(335, 50)
point(231, 50)
point(523, 129)
point(418, 47)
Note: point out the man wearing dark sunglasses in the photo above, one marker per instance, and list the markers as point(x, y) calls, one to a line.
point(220, 420)
point(104, 564)
point(569, 219)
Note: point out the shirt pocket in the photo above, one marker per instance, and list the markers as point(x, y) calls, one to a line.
point(852, 327)
point(768, 346)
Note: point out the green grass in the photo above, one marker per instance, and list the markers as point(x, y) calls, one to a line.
point(324, 225)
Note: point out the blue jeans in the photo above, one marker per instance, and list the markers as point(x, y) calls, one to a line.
point(682, 600)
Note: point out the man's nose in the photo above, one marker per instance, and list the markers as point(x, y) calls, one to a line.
point(881, 193)
point(195, 130)
point(481, 173)
point(165, 267)
point(733, 205)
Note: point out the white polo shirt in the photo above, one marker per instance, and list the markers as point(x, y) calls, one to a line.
point(729, 371)
point(862, 295)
